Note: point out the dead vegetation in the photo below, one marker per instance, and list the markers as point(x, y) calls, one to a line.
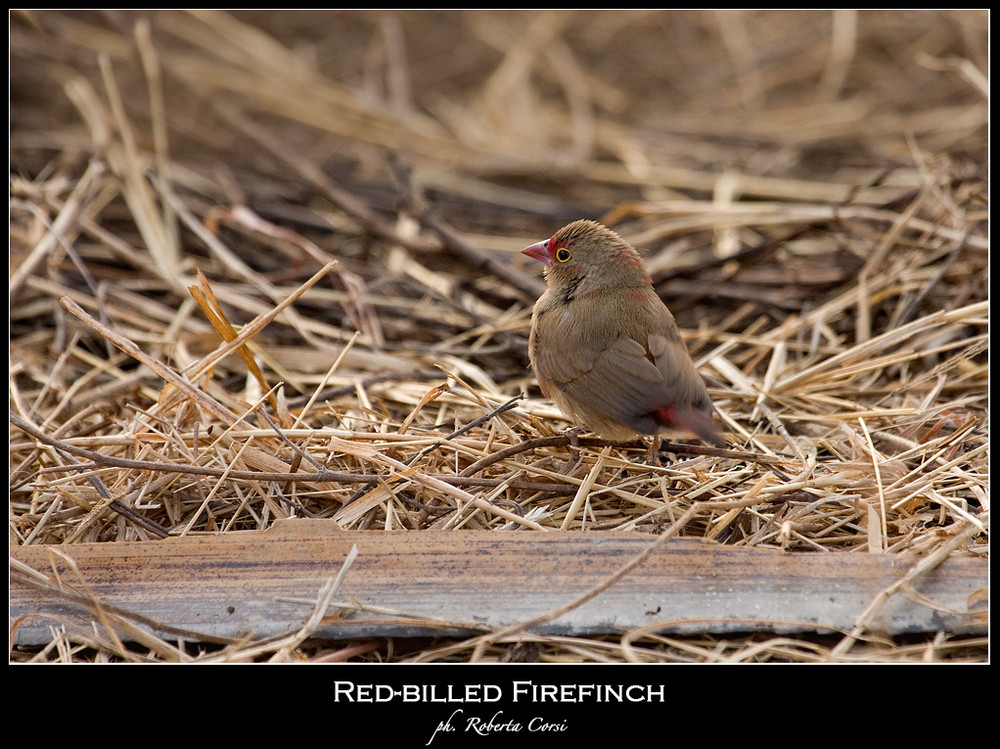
point(341, 197)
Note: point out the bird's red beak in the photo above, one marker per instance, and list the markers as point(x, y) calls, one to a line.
point(539, 251)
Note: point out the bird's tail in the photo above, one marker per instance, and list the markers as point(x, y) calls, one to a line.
point(690, 419)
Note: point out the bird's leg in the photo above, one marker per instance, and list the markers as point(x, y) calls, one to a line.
point(653, 454)
point(572, 433)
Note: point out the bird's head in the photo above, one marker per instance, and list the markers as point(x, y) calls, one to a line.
point(586, 252)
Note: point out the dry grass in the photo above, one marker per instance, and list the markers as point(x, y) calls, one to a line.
point(341, 197)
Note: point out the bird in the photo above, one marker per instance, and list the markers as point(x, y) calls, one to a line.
point(605, 348)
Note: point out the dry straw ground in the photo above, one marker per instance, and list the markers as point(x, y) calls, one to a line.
point(345, 193)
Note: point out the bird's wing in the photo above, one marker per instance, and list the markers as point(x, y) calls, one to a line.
point(681, 381)
point(623, 379)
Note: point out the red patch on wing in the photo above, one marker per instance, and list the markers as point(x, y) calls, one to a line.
point(688, 419)
point(666, 416)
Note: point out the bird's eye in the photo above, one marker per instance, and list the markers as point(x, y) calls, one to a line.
point(562, 254)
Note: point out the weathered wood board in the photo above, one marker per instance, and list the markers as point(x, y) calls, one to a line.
point(260, 584)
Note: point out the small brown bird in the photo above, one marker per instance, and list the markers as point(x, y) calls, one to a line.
point(603, 345)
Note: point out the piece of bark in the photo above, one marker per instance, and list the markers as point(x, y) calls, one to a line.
point(429, 583)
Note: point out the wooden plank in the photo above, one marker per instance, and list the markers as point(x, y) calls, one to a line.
point(260, 584)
